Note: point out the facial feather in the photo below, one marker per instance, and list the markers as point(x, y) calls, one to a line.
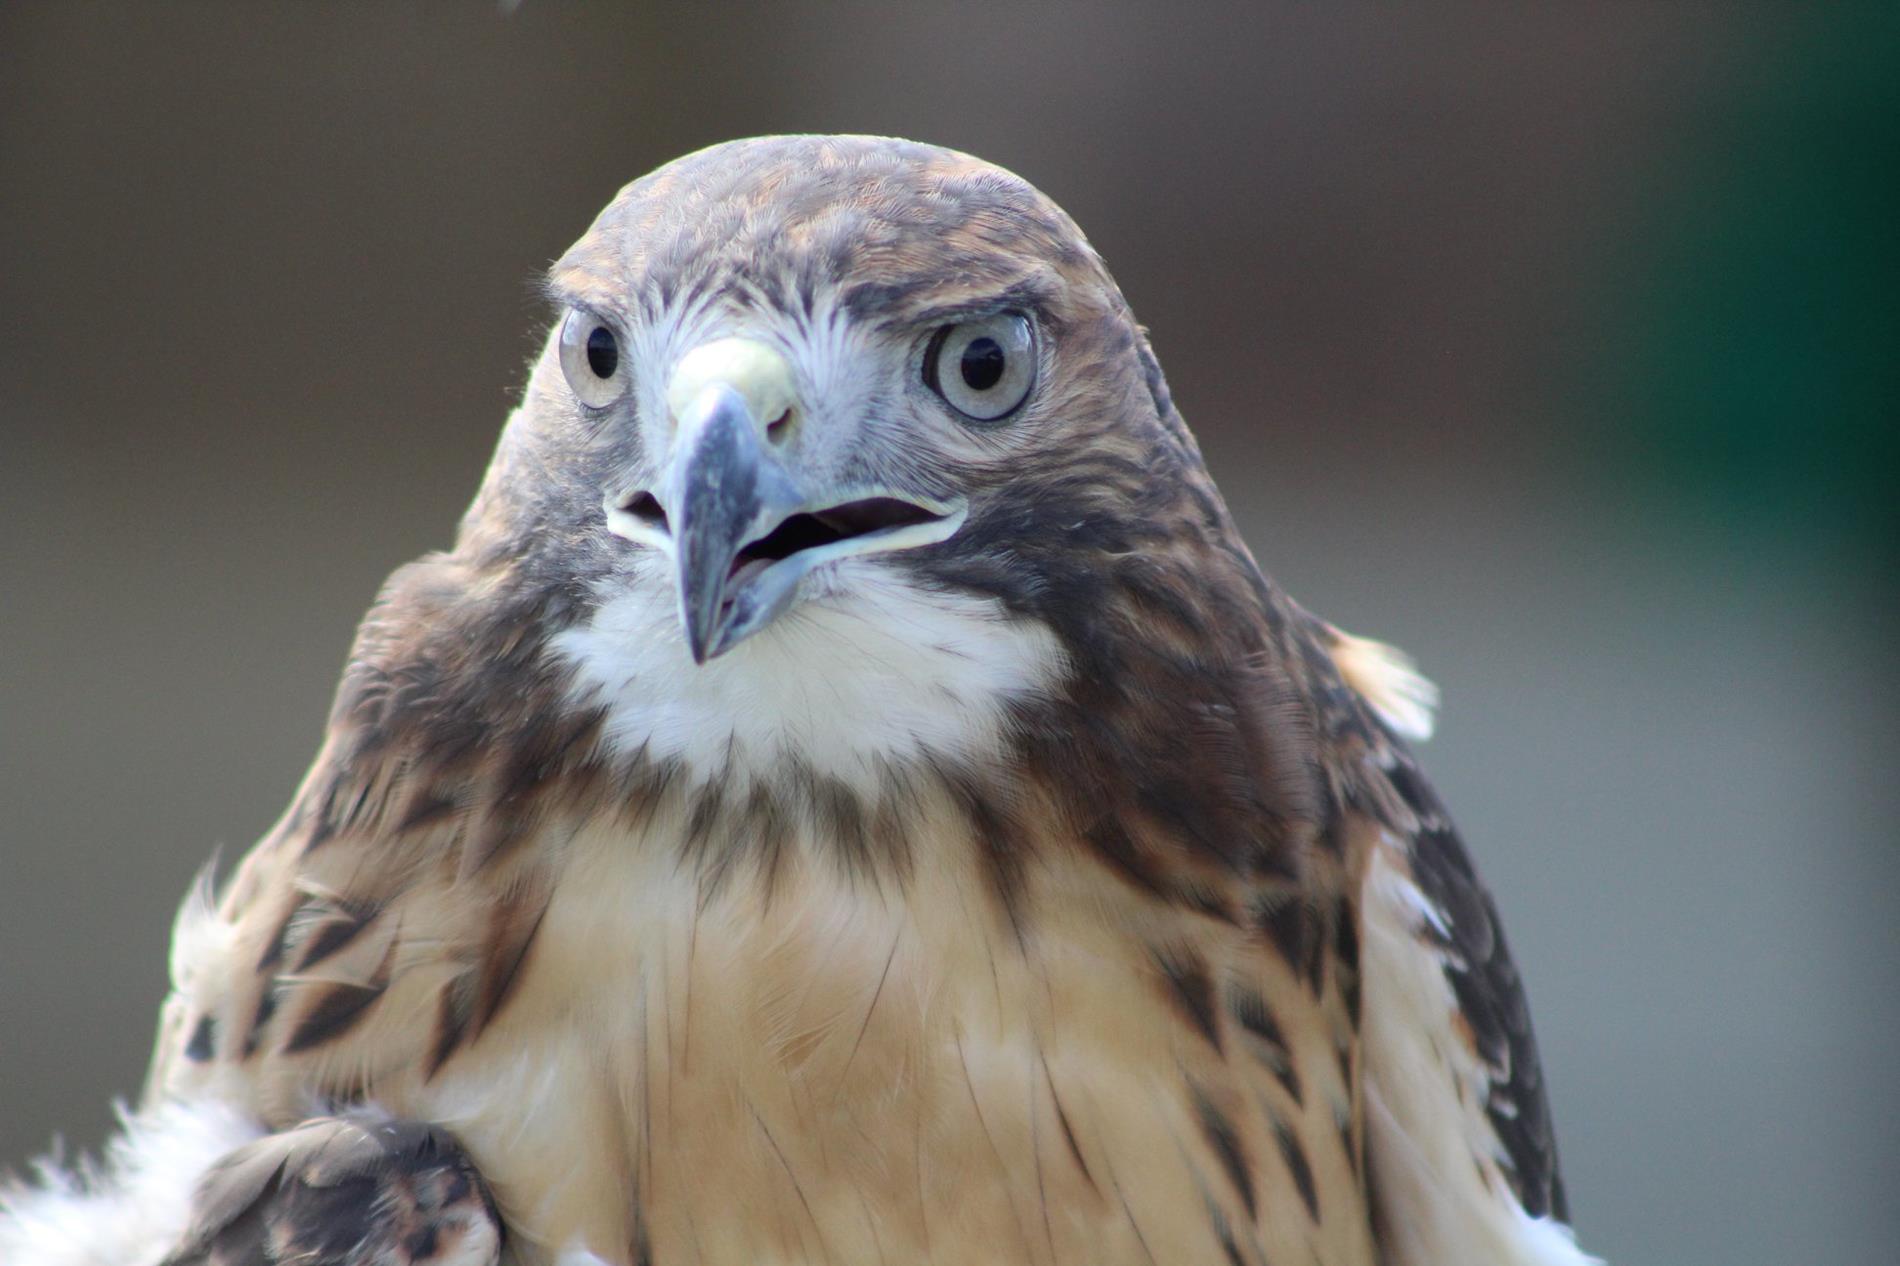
point(878, 672)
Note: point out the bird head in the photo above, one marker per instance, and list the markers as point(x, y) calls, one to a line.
point(842, 448)
point(781, 364)
point(845, 472)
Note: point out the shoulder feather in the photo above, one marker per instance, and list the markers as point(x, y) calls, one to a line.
point(1389, 682)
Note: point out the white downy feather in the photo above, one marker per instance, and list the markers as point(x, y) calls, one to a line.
point(129, 1209)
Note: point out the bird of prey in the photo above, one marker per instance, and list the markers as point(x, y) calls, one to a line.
point(847, 796)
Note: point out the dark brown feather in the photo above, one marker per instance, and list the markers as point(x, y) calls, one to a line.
point(1491, 999)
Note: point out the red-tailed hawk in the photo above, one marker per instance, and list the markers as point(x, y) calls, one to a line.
point(847, 796)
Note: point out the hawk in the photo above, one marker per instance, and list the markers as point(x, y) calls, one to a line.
point(848, 795)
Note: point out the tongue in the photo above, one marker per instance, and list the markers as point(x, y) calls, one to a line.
point(744, 569)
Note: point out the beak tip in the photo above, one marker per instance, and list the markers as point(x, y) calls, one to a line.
point(699, 644)
point(697, 633)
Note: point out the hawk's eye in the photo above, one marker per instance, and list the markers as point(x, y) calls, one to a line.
point(984, 368)
point(590, 357)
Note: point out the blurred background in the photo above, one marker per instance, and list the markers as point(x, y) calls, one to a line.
point(1555, 343)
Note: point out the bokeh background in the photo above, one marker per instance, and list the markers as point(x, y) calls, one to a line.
point(1555, 343)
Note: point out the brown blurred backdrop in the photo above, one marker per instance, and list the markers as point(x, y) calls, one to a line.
point(1547, 341)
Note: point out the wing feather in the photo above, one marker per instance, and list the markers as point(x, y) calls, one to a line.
point(1462, 1156)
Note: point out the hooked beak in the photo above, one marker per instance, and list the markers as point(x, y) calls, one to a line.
point(742, 526)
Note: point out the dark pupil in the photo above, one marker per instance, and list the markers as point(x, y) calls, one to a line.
point(603, 357)
point(982, 366)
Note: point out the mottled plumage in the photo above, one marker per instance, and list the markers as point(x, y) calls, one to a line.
point(803, 818)
point(343, 1191)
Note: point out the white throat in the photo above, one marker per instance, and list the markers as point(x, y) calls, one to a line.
point(874, 671)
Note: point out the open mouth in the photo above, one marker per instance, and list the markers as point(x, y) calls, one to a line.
point(851, 521)
point(814, 530)
point(729, 591)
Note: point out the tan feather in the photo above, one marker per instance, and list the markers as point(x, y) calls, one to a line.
point(1390, 683)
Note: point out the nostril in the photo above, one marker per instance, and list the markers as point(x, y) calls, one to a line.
point(645, 507)
point(779, 429)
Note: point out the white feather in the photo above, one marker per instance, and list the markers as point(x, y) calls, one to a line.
point(1386, 678)
point(870, 671)
point(129, 1210)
